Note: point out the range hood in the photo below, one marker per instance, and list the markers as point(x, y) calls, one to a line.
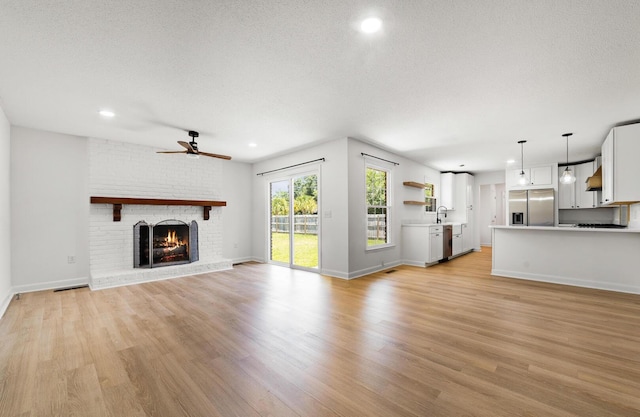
point(594, 182)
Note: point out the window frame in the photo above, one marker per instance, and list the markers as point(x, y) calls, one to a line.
point(389, 206)
point(430, 201)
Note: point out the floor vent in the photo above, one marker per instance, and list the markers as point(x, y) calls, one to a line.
point(70, 288)
point(390, 271)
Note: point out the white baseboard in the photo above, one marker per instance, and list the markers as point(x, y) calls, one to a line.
point(334, 274)
point(51, 285)
point(373, 269)
point(237, 261)
point(414, 263)
point(608, 286)
point(5, 300)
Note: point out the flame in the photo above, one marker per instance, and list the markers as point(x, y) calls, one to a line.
point(172, 237)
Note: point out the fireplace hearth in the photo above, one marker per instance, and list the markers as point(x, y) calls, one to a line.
point(169, 242)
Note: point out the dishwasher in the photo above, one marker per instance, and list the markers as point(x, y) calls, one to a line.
point(447, 242)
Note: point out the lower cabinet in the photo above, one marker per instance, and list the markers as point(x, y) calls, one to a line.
point(436, 237)
point(424, 244)
point(457, 245)
point(467, 237)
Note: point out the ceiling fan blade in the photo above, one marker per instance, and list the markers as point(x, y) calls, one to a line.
point(187, 146)
point(215, 155)
point(171, 152)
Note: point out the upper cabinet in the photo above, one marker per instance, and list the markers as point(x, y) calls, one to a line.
point(457, 196)
point(538, 177)
point(620, 167)
point(448, 190)
point(574, 196)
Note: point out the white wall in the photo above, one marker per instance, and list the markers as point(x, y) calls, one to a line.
point(332, 204)
point(49, 210)
point(361, 261)
point(5, 213)
point(236, 216)
point(342, 205)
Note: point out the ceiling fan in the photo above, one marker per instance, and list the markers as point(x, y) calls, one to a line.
point(192, 148)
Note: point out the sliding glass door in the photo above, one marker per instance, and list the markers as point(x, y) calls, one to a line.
point(294, 222)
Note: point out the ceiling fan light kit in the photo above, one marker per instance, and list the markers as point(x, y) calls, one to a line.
point(192, 148)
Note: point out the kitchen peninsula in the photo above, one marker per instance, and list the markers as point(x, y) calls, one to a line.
point(606, 259)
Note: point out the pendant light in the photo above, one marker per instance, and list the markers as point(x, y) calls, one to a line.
point(522, 178)
point(567, 176)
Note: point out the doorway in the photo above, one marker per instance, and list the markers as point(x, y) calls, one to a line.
point(492, 210)
point(294, 224)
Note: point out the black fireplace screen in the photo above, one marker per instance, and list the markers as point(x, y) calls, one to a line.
point(170, 242)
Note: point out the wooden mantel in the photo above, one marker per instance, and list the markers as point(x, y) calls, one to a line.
point(119, 201)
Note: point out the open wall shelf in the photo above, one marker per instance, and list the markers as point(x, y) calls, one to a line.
point(413, 184)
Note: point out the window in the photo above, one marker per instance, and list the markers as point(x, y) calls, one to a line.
point(378, 206)
point(429, 197)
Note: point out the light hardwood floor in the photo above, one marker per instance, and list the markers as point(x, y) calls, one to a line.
point(261, 340)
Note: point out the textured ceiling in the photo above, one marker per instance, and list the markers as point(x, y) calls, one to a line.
point(445, 83)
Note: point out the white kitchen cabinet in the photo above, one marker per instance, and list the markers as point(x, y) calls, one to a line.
point(541, 175)
point(607, 169)
point(456, 245)
point(566, 192)
point(538, 176)
point(415, 245)
point(436, 251)
point(464, 190)
point(467, 237)
point(456, 241)
point(463, 200)
point(447, 190)
point(422, 244)
point(513, 175)
point(575, 196)
point(584, 198)
point(620, 167)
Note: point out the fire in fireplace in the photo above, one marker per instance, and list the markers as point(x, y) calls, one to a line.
point(170, 242)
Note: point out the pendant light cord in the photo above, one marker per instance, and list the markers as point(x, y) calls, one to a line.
point(522, 142)
point(566, 135)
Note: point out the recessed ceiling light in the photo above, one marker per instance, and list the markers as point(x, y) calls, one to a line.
point(253, 145)
point(511, 161)
point(106, 113)
point(371, 25)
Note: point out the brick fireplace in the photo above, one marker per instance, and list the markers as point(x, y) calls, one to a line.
point(134, 171)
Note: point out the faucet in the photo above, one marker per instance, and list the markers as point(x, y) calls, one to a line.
point(438, 219)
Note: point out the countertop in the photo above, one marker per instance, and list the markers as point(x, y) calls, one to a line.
point(568, 229)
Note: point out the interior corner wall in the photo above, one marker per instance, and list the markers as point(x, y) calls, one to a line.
point(236, 216)
point(5, 212)
point(362, 261)
point(49, 210)
point(332, 205)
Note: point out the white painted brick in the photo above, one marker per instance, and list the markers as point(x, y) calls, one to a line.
point(118, 169)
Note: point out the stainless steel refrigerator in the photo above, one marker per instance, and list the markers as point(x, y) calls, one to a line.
point(532, 207)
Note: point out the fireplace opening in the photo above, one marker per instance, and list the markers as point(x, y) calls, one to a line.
point(170, 242)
